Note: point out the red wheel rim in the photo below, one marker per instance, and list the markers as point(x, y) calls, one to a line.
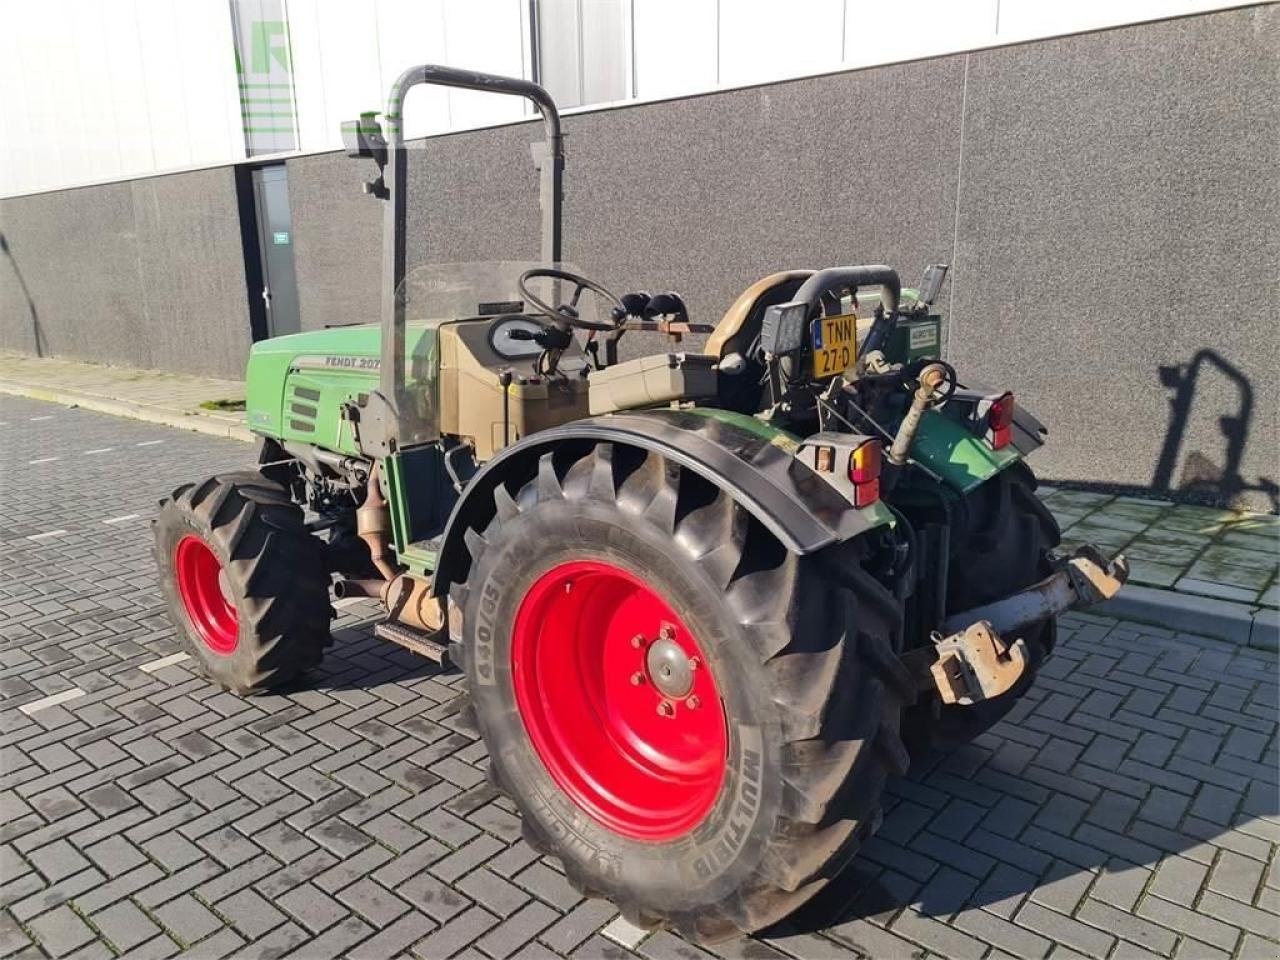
point(211, 612)
point(592, 652)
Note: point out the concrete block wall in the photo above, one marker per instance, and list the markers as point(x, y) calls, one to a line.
point(1108, 203)
point(144, 273)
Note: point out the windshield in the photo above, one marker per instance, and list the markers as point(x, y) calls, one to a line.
point(450, 291)
point(437, 293)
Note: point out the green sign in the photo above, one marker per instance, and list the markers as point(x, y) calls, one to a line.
point(280, 238)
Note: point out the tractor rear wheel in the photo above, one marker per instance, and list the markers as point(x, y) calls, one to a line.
point(246, 583)
point(696, 722)
point(1001, 546)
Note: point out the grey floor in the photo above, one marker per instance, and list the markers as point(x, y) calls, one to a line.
point(1128, 808)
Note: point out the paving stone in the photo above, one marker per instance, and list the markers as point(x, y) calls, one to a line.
point(577, 925)
point(456, 934)
point(1198, 926)
point(187, 919)
point(1127, 926)
point(311, 907)
point(517, 930)
point(1142, 758)
point(250, 913)
point(60, 931)
point(1019, 941)
point(124, 925)
point(1055, 926)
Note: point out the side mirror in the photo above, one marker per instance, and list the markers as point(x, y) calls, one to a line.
point(931, 283)
point(363, 138)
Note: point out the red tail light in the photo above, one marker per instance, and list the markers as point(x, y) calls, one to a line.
point(1000, 422)
point(864, 471)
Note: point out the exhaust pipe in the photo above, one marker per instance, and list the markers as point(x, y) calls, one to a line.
point(407, 600)
point(371, 589)
point(373, 524)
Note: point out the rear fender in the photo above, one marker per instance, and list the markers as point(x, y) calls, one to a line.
point(753, 462)
point(952, 442)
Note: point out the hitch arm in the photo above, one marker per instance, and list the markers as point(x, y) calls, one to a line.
point(971, 661)
point(1085, 579)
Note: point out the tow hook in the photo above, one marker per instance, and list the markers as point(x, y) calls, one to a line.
point(970, 661)
point(976, 664)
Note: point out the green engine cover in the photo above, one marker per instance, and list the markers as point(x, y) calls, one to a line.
point(296, 385)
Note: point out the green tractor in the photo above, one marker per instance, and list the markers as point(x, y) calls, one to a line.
point(705, 601)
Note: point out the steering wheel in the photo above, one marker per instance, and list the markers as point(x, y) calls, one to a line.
point(567, 312)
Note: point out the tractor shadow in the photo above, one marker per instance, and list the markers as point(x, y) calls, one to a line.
point(360, 661)
point(1207, 473)
point(1129, 750)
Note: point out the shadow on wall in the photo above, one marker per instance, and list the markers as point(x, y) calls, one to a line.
point(1200, 474)
point(36, 333)
point(1205, 478)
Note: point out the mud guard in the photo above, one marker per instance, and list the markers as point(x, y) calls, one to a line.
point(740, 455)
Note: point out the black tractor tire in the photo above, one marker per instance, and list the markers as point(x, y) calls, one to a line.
point(1002, 545)
point(272, 574)
point(802, 650)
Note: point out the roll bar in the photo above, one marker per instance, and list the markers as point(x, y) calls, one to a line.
point(383, 438)
point(850, 278)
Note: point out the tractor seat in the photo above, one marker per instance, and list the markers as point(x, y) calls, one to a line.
point(733, 343)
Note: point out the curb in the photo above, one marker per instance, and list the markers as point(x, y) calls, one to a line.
point(195, 422)
point(1238, 623)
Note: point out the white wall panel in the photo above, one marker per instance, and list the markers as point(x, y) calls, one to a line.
point(764, 40)
point(411, 32)
point(336, 70)
point(99, 134)
point(676, 46)
point(101, 89)
point(484, 35)
point(876, 32)
point(214, 123)
point(1031, 19)
point(161, 63)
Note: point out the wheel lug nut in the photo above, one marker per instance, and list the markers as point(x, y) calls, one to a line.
point(638, 641)
point(694, 663)
point(692, 703)
point(666, 709)
point(637, 678)
point(668, 632)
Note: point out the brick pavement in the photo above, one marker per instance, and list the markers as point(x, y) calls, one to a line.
point(1128, 808)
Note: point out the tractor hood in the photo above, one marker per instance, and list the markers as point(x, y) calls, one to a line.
point(295, 386)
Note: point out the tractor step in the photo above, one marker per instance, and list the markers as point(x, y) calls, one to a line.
point(416, 640)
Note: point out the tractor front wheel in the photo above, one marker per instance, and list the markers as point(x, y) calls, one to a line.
point(246, 583)
point(696, 722)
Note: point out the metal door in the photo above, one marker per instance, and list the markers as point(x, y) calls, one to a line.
point(275, 240)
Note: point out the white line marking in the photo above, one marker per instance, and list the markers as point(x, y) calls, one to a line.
point(51, 701)
point(127, 516)
point(347, 602)
point(47, 533)
point(99, 450)
point(43, 460)
point(48, 417)
point(148, 443)
point(163, 662)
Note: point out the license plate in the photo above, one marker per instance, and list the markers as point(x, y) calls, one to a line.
point(835, 345)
